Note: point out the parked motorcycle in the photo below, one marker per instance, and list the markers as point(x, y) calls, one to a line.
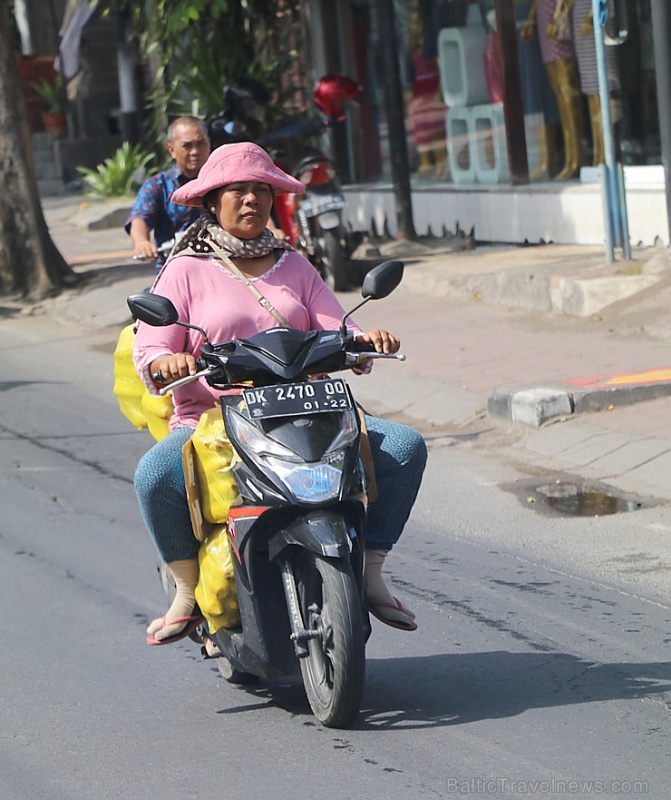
point(298, 533)
point(312, 222)
point(243, 117)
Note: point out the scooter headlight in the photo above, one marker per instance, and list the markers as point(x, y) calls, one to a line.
point(347, 433)
point(316, 482)
point(254, 441)
point(310, 483)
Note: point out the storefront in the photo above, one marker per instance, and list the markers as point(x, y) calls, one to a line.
point(502, 115)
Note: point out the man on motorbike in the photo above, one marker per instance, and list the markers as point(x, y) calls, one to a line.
point(236, 187)
point(189, 145)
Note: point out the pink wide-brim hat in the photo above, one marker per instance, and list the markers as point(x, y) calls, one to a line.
point(235, 163)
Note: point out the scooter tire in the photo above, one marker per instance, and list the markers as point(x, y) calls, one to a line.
point(334, 669)
point(334, 271)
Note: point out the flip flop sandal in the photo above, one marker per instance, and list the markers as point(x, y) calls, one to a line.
point(191, 623)
point(378, 611)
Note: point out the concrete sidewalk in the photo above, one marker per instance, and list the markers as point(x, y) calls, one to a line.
point(530, 336)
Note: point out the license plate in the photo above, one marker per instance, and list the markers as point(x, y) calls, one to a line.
point(315, 204)
point(292, 399)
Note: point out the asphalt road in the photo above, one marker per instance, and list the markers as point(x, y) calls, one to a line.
point(531, 668)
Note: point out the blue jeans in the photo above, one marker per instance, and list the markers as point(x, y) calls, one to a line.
point(399, 456)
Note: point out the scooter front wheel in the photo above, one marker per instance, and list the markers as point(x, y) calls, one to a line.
point(334, 669)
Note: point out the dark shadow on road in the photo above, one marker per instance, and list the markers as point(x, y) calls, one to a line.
point(9, 312)
point(8, 386)
point(114, 273)
point(285, 693)
point(455, 689)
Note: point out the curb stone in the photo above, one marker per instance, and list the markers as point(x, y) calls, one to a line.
point(536, 405)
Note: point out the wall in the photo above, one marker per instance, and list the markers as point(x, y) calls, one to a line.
point(551, 213)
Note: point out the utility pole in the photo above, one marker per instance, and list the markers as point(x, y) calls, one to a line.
point(661, 37)
point(611, 173)
point(393, 103)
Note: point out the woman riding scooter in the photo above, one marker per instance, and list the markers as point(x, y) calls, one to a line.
point(236, 187)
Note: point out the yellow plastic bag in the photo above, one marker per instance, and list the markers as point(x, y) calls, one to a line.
point(136, 404)
point(213, 459)
point(128, 386)
point(216, 594)
point(157, 411)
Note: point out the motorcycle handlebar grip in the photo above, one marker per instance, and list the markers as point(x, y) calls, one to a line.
point(159, 377)
point(361, 347)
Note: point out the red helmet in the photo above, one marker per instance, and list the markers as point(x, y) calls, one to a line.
point(332, 90)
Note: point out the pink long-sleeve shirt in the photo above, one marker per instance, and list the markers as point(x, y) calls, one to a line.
point(206, 294)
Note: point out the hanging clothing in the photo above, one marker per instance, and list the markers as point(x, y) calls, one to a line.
point(77, 14)
point(551, 49)
point(537, 95)
point(427, 111)
point(585, 49)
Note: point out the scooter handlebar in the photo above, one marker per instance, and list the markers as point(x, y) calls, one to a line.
point(366, 350)
point(357, 358)
point(158, 377)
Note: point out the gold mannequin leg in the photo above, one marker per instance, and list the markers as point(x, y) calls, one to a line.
point(565, 83)
point(442, 166)
point(425, 162)
point(548, 134)
point(543, 144)
point(594, 102)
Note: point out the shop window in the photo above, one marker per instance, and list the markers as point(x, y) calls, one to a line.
point(451, 65)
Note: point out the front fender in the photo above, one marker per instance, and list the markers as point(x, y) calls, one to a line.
point(326, 533)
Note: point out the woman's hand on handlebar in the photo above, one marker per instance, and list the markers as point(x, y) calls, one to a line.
point(378, 340)
point(383, 341)
point(169, 368)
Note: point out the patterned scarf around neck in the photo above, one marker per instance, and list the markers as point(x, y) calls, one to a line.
point(205, 237)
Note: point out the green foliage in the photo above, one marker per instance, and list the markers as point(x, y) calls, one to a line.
point(51, 95)
point(199, 89)
point(118, 176)
point(203, 45)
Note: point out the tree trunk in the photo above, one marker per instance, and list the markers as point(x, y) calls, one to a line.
point(30, 264)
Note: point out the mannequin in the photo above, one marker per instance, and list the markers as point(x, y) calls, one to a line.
point(583, 36)
point(427, 111)
point(537, 95)
point(551, 20)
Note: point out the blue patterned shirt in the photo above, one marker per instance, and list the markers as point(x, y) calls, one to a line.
point(154, 207)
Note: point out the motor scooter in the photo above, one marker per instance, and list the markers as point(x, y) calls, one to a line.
point(312, 222)
point(297, 532)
